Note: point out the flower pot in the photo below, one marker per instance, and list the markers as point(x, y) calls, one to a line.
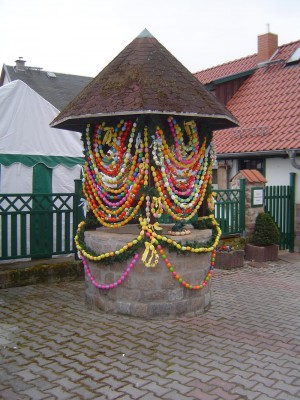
point(261, 253)
point(229, 259)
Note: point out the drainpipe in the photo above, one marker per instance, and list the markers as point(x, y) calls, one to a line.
point(292, 155)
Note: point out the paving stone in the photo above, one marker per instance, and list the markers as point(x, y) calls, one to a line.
point(248, 394)
point(272, 393)
point(73, 374)
point(175, 395)
point(259, 371)
point(179, 377)
point(223, 394)
point(197, 394)
point(245, 347)
point(242, 381)
point(285, 396)
point(117, 373)
point(141, 373)
point(134, 392)
point(66, 384)
point(201, 376)
point(220, 383)
point(220, 366)
point(176, 385)
point(161, 379)
point(9, 394)
point(150, 396)
point(287, 388)
point(36, 394)
point(82, 392)
point(26, 375)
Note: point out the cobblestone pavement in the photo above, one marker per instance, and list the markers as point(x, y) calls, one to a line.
point(246, 347)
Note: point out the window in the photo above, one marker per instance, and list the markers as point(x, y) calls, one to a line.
point(254, 163)
point(295, 57)
point(214, 176)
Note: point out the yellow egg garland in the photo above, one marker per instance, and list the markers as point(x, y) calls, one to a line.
point(118, 165)
point(153, 249)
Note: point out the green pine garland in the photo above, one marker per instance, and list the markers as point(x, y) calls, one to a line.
point(129, 253)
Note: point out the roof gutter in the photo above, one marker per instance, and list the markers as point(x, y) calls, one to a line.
point(261, 154)
point(229, 78)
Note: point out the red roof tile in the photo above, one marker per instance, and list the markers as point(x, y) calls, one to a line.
point(267, 107)
point(252, 176)
point(231, 68)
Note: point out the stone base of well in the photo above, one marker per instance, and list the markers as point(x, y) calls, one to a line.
point(148, 292)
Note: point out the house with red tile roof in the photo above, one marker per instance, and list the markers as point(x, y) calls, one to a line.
point(262, 91)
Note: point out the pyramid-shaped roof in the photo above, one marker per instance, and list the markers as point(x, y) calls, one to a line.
point(145, 78)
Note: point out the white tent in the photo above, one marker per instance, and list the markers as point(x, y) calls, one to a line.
point(34, 158)
point(26, 140)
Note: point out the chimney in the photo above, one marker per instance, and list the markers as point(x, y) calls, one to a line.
point(20, 64)
point(267, 45)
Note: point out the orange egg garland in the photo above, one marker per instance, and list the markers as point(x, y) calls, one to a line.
point(118, 166)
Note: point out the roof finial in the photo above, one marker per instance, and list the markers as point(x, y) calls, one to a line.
point(145, 34)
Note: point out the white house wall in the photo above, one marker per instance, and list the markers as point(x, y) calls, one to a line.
point(278, 173)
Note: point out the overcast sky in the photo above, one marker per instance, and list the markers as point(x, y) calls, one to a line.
point(82, 36)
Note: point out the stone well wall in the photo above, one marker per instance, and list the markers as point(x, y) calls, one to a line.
point(148, 292)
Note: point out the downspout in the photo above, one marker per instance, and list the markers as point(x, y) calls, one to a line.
point(292, 155)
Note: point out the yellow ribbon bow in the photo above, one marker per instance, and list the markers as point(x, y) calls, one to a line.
point(109, 135)
point(188, 125)
point(152, 253)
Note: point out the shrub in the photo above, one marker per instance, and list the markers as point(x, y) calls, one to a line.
point(265, 231)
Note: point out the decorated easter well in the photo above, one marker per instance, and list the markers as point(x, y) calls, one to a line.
point(146, 126)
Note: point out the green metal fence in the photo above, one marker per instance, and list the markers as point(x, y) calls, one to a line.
point(230, 210)
point(43, 225)
point(279, 201)
point(38, 225)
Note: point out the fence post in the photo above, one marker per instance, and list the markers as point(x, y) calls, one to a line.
point(242, 203)
point(78, 215)
point(292, 211)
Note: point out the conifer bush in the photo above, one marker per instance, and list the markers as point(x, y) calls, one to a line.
point(265, 230)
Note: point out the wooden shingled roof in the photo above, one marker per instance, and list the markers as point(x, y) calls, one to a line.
point(145, 78)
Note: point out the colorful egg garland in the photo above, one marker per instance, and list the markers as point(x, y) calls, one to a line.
point(118, 166)
point(153, 245)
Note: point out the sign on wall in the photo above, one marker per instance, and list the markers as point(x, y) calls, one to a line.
point(257, 197)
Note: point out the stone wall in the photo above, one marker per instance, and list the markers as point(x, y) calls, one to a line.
point(148, 292)
point(250, 211)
